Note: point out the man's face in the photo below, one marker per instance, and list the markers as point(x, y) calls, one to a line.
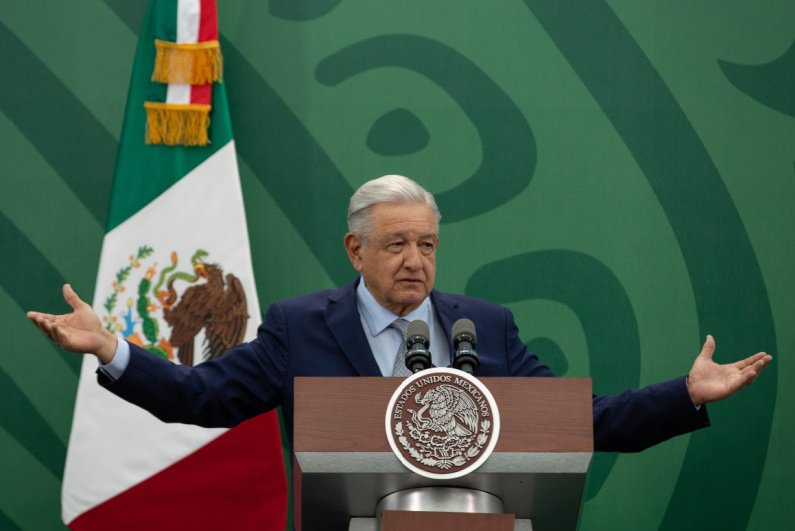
point(398, 263)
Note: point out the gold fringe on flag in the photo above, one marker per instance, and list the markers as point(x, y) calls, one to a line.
point(173, 124)
point(196, 64)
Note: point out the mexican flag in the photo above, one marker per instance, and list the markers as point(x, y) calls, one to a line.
point(175, 277)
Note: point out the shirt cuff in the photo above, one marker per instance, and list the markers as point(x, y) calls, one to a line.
point(121, 359)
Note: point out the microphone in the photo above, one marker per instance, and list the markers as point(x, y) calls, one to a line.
point(464, 341)
point(418, 357)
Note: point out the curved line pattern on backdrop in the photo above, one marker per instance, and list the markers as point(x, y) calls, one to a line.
point(301, 10)
point(509, 148)
point(730, 294)
point(398, 132)
point(287, 160)
point(86, 175)
point(601, 303)
point(771, 84)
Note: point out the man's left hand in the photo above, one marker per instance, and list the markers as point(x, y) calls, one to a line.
point(710, 382)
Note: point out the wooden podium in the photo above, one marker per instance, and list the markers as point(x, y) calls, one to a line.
point(344, 465)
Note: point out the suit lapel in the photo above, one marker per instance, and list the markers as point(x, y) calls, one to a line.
point(342, 318)
point(447, 311)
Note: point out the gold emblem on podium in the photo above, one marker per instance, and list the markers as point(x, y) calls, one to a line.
point(442, 423)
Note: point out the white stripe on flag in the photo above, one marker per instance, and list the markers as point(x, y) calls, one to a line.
point(188, 17)
point(178, 93)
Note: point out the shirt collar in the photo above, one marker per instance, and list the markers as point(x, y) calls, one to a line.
point(379, 318)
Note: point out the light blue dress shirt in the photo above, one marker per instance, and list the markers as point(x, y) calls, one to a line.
point(115, 368)
point(384, 341)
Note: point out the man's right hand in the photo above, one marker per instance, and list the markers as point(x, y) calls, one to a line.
point(79, 331)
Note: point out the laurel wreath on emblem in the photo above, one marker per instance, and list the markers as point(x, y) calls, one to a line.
point(449, 437)
point(425, 458)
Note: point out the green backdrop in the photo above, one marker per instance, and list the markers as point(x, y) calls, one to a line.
point(619, 173)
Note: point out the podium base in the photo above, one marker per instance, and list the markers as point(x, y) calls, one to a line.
point(440, 499)
point(429, 504)
point(371, 524)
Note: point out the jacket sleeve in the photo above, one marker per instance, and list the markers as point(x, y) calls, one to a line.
point(640, 418)
point(630, 421)
point(246, 381)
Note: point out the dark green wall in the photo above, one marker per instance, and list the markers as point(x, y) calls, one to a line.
point(620, 174)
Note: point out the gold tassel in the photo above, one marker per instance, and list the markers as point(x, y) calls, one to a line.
point(196, 64)
point(173, 124)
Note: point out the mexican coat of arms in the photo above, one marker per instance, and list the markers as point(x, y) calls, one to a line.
point(442, 423)
point(168, 310)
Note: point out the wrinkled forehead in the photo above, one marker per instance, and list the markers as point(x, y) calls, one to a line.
point(404, 217)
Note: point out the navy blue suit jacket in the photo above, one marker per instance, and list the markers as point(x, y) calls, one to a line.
point(321, 335)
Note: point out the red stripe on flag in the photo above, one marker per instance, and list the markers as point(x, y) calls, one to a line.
point(208, 21)
point(235, 482)
point(201, 94)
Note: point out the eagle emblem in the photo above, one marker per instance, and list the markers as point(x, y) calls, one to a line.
point(452, 412)
point(170, 308)
point(442, 423)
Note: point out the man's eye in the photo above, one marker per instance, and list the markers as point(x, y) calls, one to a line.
point(395, 246)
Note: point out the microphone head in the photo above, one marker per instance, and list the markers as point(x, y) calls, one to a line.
point(418, 328)
point(464, 330)
point(417, 342)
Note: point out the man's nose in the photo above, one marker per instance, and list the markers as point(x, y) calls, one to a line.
point(412, 257)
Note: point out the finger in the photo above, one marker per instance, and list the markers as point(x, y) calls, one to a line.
point(40, 326)
point(709, 347)
point(71, 297)
point(57, 334)
point(749, 377)
point(35, 316)
point(747, 362)
point(761, 364)
point(749, 374)
point(44, 325)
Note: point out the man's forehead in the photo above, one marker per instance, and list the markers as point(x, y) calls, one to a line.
point(388, 214)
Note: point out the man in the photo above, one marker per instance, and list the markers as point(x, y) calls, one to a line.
point(392, 242)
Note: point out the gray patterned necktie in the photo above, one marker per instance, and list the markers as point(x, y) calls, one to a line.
point(400, 368)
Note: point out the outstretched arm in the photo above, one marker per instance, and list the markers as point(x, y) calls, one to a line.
point(710, 382)
point(79, 331)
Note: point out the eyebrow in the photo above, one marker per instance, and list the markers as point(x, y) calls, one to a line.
point(403, 235)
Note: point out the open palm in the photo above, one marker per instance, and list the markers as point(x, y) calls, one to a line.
point(79, 331)
point(709, 382)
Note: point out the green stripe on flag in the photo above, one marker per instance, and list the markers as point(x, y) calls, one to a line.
point(165, 20)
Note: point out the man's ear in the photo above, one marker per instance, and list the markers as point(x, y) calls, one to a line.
point(353, 244)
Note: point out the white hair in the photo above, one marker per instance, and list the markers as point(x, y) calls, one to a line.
point(386, 189)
